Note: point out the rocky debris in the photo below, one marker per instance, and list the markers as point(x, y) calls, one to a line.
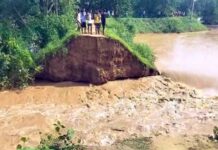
point(94, 60)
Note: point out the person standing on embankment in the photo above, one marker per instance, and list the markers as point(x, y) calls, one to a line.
point(103, 20)
point(89, 22)
point(97, 21)
point(83, 21)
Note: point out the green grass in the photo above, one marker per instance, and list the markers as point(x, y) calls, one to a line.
point(141, 51)
point(162, 25)
point(55, 47)
point(124, 33)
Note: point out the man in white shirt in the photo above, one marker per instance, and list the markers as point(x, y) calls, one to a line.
point(83, 22)
point(89, 22)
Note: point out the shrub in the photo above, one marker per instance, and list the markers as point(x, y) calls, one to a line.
point(17, 67)
point(22, 41)
point(47, 29)
point(61, 140)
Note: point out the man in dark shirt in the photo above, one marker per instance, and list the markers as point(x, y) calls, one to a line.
point(103, 19)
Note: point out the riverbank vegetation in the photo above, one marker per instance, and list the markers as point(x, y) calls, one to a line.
point(27, 28)
point(160, 25)
point(29, 31)
point(60, 140)
point(124, 33)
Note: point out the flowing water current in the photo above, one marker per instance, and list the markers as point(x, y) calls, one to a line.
point(191, 58)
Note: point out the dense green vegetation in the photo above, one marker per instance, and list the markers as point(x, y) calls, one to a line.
point(26, 29)
point(208, 10)
point(158, 25)
point(16, 64)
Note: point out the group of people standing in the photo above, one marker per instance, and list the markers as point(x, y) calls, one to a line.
point(86, 20)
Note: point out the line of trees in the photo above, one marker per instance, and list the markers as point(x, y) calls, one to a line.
point(207, 9)
point(36, 21)
point(19, 9)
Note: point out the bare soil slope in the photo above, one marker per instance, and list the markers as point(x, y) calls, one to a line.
point(94, 60)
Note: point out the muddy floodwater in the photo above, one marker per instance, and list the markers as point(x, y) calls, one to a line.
point(188, 57)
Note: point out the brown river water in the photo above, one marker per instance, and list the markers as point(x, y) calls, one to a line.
point(191, 58)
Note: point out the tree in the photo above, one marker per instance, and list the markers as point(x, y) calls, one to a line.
point(121, 8)
point(208, 9)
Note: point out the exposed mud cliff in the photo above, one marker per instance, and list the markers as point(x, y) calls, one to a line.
point(94, 60)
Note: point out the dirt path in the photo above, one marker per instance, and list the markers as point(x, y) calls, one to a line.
point(149, 107)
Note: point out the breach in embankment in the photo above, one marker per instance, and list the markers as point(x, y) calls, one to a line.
point(94, 59)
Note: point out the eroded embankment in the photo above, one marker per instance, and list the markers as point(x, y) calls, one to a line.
point(94, 59)
point(172, 113)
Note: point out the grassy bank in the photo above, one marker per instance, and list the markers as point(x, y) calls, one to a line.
point(121, 33)
point(161, 25)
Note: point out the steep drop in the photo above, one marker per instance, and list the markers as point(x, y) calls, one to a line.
point(94, 60)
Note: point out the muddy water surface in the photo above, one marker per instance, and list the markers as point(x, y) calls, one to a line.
point(188, 57)
point(102, 115)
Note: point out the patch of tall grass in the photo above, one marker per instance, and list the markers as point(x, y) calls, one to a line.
point(162, 25)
